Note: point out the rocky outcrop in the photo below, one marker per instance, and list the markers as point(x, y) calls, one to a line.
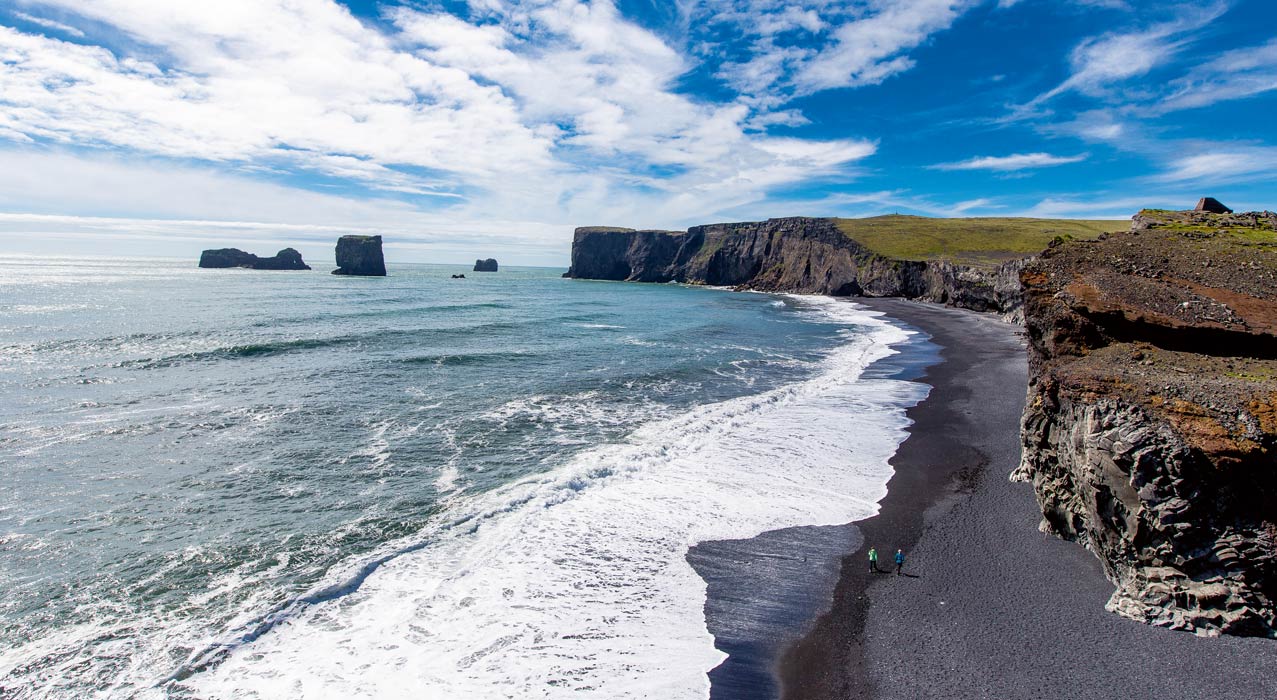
point(798, 254)
point(360, 256)
point(1150, 431)
point(286, 259)
point(489, 265)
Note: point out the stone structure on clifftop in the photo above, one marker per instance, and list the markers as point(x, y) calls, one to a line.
point(286, 259)
point(1212, 205)
point(489, 265)
point(1150, 431)
point(360, 256)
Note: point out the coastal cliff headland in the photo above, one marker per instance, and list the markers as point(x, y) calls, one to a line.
point(890, 256)
point(1150, 433)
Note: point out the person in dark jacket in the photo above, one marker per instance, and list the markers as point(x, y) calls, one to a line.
point(900, 561)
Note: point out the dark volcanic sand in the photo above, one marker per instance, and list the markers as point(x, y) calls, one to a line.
point(998, 610)
point(993, 609)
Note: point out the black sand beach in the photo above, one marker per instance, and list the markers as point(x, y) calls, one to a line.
point(990, 608)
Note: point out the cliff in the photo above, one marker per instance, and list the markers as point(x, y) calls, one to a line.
point(1150, 432)
point(286, 259)
point(798, 254)
point(360, 256)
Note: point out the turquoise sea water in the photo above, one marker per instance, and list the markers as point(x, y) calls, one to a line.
point(227, 483)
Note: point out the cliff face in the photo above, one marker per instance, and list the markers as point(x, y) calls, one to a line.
point(797, 254)
point(1150, 431)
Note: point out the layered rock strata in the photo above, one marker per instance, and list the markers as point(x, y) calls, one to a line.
point(360, 256)
point(798, 254)
point(286, 259)
point(1150, 432)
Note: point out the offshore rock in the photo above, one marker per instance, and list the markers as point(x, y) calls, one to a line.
point(286, 259)
point(1150, 430)
point(797, 254)
point(489, 265)
point(360, 256)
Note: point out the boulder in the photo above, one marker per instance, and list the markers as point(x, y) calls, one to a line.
point(286, 259)
point(489, 265)
point(360, 256)
point(1212, 205)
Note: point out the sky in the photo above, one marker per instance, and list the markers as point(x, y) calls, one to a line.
point(461, 129)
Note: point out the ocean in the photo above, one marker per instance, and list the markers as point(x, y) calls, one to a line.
point(240, 484)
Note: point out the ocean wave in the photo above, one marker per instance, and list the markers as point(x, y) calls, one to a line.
point(247, 350)
point(576, 580)
point(462, 359)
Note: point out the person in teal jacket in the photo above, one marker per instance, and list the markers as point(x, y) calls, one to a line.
point(900, 561)
point(873, 560)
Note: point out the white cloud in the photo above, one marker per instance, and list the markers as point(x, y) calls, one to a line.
point(846, 44)
point(49, 24)
point(1221, 163)
point(1233, 75)
point(1099, 62)
point(966, 206)
point(868, 50)
point(1018, 161)
point(549, 111)
point(187, 208)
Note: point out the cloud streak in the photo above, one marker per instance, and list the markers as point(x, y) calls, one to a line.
point(1017, 161)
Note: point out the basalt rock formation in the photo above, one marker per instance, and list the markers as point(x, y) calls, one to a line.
point(286, 259)
point(489, 265)
point(1150, 431)
point(360, 256)
point(797, 254)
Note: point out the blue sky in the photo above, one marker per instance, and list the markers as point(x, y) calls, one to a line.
point(475, 128)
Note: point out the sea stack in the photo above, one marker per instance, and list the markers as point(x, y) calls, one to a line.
point(286, 259)
point(489, 265)
point(360, 256)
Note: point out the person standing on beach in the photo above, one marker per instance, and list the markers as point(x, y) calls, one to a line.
point(900, 561)
point(873, 559)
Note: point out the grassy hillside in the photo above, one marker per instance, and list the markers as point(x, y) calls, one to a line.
point(984, 241)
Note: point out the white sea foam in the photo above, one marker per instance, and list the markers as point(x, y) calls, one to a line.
point(575, 583)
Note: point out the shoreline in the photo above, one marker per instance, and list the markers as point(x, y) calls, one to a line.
point(993, 607)
point(764, 593)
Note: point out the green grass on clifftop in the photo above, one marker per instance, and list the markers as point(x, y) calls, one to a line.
point(984, 241)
